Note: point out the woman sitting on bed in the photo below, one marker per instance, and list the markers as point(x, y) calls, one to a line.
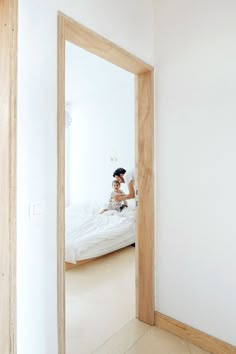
point(113, 205)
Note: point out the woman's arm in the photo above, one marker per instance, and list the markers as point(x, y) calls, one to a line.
point(130, 195)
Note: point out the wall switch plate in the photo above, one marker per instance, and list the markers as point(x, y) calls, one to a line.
point(35, 209)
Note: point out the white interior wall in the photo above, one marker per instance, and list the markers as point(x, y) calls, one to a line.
point(128, 24)
point(196, 171)
point(101, 136)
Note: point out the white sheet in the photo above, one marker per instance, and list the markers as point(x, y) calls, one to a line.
point(89, 234)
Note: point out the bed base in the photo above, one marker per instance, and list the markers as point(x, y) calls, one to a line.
point(69, 266)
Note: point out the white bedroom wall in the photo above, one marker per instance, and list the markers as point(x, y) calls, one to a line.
point(126, 23)
point(100, 141)
point(101, 136)
point(196, 171)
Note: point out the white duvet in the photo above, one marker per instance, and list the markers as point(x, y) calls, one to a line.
point(90, 234)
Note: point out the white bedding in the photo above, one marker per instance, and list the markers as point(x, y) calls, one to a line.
point(89, 234)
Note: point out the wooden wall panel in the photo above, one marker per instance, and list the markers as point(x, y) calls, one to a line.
point(61, 186)
point(145, 210)
point(100, 46)
point(8, 40)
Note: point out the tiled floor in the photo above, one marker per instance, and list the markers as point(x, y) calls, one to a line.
point(100, 299)
point(100, 312)
point(138, 338)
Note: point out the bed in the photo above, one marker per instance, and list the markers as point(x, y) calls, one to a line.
point(89, 235)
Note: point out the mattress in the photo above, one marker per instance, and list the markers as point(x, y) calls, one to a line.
point(89, 234)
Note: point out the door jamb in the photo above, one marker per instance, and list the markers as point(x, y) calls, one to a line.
point(8, 88)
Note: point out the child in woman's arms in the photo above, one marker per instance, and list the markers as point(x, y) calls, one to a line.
point(113, 205)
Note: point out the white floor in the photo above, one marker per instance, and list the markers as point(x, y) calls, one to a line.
point(100, 312)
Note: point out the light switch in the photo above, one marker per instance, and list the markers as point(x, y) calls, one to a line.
point(35, 209)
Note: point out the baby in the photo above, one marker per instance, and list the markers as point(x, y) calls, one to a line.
point(113, 205)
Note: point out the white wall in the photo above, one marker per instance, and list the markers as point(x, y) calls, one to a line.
point(101, 135)
point(100, 142)
point(128, 24)
point(196, 170)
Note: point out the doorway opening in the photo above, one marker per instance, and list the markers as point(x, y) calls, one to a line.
point(99, 137)
point(72, 32)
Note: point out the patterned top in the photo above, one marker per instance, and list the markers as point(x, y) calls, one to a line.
point(113, 205)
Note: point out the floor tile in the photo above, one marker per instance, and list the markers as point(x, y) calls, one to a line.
point(196, 350)
point(157, 341)
point(78, 346)
point(101, 275)
point(124, 339)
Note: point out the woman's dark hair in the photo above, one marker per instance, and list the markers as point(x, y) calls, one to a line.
point(119, 171)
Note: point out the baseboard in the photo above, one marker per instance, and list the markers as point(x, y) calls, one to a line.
point(194, 336)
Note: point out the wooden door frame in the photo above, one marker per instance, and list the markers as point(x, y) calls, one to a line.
point(69, 30)
point(8, 84)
